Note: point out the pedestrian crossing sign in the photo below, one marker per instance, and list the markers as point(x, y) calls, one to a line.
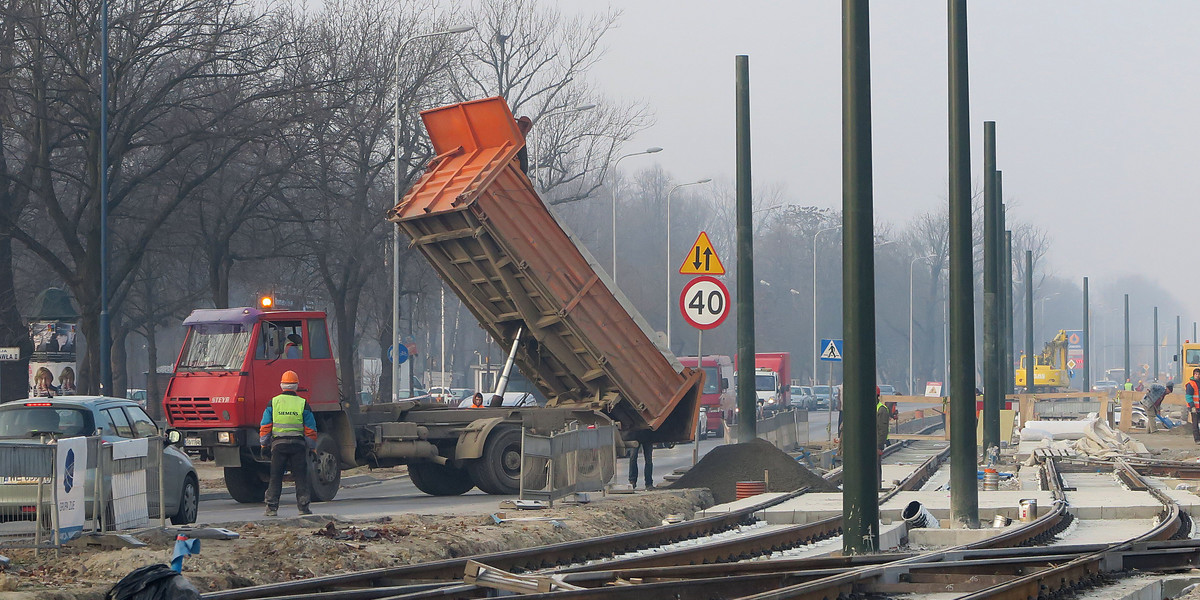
point(831, 350)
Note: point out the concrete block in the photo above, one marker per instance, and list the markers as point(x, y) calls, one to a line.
point(804, 509)
point(1188, 501)
point(892, 536)
point(1030, 478)
point(945, 538)
point(739, 504)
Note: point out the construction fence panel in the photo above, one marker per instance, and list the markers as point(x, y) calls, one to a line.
point(562, 463)
point(27, 476)
point(130, 484)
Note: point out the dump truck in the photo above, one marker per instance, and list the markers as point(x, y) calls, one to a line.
point(1049, 368)
point(476, 217)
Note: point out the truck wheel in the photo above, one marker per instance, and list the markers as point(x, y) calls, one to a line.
point(325, 472)
point(498, 471)
point(246, 484)
point(440, 480)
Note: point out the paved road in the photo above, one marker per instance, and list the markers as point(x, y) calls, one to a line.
point(399, 495)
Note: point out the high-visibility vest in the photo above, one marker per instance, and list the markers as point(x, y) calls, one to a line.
point(287, 416)
point(1192, 389)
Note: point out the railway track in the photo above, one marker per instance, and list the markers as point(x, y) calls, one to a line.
point(374, 582)
point(1008, 565)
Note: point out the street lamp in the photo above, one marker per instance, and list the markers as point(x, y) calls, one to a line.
point(650, 150)
point(912, 264)
point(396, 229)
point(814, 288)
point(669, 270)
point(533, 164)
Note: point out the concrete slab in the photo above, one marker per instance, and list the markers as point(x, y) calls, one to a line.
point(1188, 501)
point(740, 504)
point(1102, 531)
point(1111, 503)
point(806, 509)
point(1005, 502)
point(1030, 478)
point(945, 538)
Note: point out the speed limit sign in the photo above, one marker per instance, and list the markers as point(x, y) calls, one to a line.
point(704, 302)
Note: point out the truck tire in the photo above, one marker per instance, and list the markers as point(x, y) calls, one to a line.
point(325, 471)
point(498, 471)
point(440, 480)
point(246, 483)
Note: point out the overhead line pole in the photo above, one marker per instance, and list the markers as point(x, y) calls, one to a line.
point(746, 399)
point(964, 492)
point(860, 482)
point(1029, 359)
point(1087, 339)
point(991, 283)
point(1128, 373)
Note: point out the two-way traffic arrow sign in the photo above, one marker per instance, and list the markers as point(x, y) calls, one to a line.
point(702, 259)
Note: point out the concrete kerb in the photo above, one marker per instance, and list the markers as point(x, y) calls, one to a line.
point(348, 483)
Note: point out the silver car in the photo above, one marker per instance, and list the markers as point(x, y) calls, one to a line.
point(113, 420)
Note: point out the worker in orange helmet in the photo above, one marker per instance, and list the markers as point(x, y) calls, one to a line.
point(290, 429)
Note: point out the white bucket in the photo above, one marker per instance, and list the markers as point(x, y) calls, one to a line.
point(1027, 510)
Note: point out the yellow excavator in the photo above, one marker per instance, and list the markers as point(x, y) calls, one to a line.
point(1049, 368)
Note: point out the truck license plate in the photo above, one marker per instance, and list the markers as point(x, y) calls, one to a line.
point(192, 441)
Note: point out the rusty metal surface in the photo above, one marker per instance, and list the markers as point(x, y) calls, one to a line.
point(477, 219)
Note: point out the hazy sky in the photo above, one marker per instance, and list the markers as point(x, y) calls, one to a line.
point(1095, 104)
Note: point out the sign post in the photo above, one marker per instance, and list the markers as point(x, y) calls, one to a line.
point(831, 352)
point(704, 303)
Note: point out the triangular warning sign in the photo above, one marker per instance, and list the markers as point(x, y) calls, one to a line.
point(831, 352)
point(702, 259)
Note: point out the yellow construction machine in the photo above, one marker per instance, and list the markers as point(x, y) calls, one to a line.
point(1049, 368)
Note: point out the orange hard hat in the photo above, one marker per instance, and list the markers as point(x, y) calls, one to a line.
point(289, 377)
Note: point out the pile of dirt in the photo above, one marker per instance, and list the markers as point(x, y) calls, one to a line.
point(724, 466)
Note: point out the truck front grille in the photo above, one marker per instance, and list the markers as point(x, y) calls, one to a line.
point(190, 410)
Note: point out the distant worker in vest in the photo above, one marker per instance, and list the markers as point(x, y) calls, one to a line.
point(883, 415)
point(290, 429)
point(1128, 385)
point(1191, 393)
point(1152, 402)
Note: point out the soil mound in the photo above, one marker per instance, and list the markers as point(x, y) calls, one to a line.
point(724, 466)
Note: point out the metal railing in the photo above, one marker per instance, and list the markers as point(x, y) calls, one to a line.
point(47, 499)
point(562, 463)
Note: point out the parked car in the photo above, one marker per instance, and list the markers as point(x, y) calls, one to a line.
point(820, 397)
point(114, 420)
point(802, 397)
point(888, 390)
point(1104, 385)
point(137, 395)
point(444, 394)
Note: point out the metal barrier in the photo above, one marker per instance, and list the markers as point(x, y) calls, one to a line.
point(785, 430)
point(574, 460)
point(46, 498)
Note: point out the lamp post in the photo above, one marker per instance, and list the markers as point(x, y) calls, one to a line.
point(396, 228)
point(912, 264)
point(650, 150)
point(669, 271)
point(814, 288)
point(533, 163)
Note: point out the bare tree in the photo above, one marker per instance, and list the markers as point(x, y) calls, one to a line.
point(538, 60)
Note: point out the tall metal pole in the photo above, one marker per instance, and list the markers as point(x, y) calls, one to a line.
point(1003, 307)
point(911, 384)
point(991, 281)
point(964, 492)
point(1010, 314)
point(1087, 339)
point(860, 480)
point(106, 375)
point(1029, 360)
point(1154, 375)
point(396, 249)
point(1128, 373)
point(1178, 351)
point(747, 413)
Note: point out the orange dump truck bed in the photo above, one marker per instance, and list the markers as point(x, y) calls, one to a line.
point(477, 219)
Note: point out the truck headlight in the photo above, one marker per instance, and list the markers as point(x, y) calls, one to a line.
point(224, 437)
point(771, 400)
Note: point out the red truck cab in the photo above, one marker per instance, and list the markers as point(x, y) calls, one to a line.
point(229, 369)
point(717, 400)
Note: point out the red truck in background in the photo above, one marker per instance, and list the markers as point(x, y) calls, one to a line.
point(772, 381)
point(717, 401)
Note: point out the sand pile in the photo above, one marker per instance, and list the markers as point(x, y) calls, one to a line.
point(724, 466)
